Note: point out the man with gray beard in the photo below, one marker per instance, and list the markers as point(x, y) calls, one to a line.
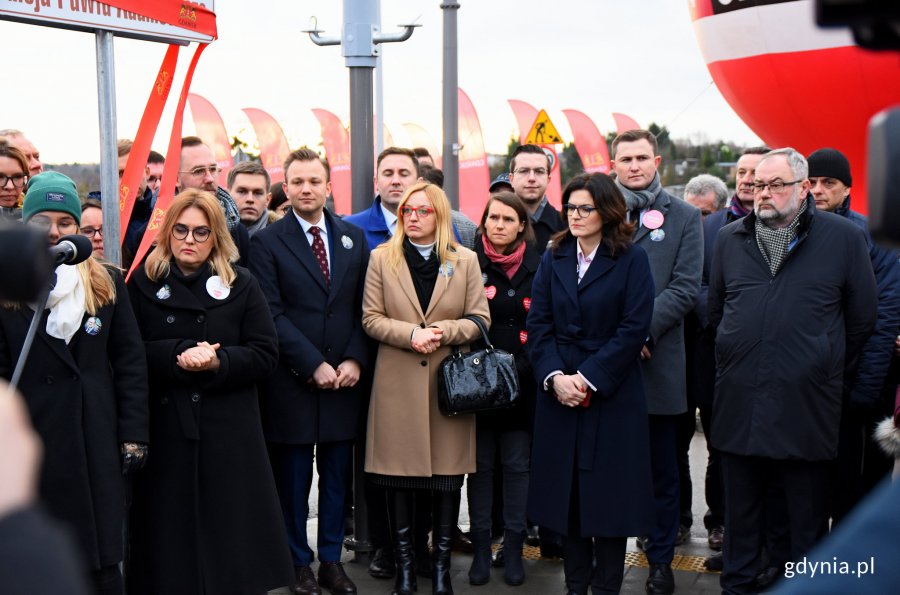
point(793, 299)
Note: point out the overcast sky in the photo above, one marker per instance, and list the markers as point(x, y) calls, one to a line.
point(597, 56)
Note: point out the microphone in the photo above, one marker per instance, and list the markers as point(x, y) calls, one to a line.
point(71, 249)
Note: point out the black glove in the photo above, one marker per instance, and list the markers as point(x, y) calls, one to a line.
point(134, 454)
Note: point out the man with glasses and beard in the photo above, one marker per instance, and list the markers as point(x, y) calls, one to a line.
point(792, 297)
point(198, 169)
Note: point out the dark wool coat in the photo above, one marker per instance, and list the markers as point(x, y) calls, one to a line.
point(676, 259)
point(785, 344)
point(509, 301)
point(85, 399)
point(596, 327)
point(206, 517)
point(315, 324)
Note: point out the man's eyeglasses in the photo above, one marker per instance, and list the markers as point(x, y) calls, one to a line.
point(420, 211)
point(92, 231)
point(582, 210)
point(774, 187)
point(539, 172)
point(200, 234)
point(199, 172)
point(18, 180)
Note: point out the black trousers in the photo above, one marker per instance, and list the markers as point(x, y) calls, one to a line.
point(595, 562)
point(747, 481)
point(664, 463)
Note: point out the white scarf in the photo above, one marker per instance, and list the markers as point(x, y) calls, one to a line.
point(66, 304)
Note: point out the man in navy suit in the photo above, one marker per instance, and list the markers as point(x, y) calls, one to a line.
point(312, 268)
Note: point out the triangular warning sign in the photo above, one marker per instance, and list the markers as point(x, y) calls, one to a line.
point(543, 132)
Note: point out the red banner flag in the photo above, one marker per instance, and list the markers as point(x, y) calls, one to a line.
point(624, 123)
point(273, 146)
point(589, 143)
point(211, 129)
point(179, 13)
point(337, 150)
point(420, 138)
point(474, 175)
point(137, 159)
point(170, 173)
point(526, 114)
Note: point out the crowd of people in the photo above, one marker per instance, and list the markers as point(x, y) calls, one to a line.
point(264, 334)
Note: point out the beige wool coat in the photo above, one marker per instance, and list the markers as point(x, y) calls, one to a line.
point(407, 435)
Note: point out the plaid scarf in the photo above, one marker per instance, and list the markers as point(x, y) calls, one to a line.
point(774, 243)
point(232, 215)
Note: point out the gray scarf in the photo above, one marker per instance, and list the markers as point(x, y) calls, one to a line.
point(774, 243)
point(261, 223)
point(641, 199)
point(232, 215)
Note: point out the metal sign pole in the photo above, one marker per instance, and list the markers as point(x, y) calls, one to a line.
point(109, 160)
point(451, 105)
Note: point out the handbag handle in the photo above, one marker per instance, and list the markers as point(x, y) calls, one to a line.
point(482, 328)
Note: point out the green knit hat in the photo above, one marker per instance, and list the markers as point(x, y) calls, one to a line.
point(51, 191)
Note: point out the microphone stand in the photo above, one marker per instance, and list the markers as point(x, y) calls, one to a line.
point(29, 336)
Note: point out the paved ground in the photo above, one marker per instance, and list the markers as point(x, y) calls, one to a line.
point(546, 576)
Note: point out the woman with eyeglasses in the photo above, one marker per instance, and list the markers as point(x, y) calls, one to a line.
point(590, 315)
point(419, 287)
point(85, 384)
point(508, 260)
point(92, 224)
point(13, 176)
point(206, 517)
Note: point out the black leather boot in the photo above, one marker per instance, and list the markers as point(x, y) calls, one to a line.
point(443, 523)
point(400, 508)
point(480, 571)
point(513, 569)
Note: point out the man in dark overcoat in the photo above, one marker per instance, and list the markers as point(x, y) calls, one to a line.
point(312, 268)
point(669, 230)
point(793, 299)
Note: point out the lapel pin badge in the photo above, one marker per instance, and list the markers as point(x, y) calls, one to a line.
point(93, 325)
point(164, 293)
point(346, 242)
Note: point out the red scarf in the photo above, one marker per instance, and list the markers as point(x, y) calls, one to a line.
point(510, 263)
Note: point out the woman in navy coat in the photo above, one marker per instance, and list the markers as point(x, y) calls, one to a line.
point(592, 301)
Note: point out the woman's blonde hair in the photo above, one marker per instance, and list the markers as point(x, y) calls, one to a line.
point(99, 288)
point(445, 244)
point(224, 252)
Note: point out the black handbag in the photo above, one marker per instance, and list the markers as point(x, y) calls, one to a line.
point(480, 380)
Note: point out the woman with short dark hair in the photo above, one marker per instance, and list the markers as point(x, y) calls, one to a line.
point(590, 315)
point(13, 176)
point(508, 260)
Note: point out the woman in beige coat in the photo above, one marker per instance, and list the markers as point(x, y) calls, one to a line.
point(419, 286)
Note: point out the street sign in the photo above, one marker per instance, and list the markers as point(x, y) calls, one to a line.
point(543, 132)
point(89, 16)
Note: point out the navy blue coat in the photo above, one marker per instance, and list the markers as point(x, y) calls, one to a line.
point(866, 386)
point(596, 327)
point(784, 344)
point(314, 325)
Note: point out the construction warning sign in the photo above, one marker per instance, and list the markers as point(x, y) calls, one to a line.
point(543, 132)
